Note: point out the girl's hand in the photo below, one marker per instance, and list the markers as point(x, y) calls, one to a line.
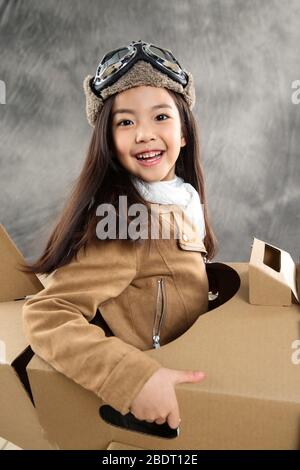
point(157, 400)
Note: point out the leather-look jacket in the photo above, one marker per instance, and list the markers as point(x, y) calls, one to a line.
point(145, 294)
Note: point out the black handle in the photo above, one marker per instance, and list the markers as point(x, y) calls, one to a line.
point(131, 423)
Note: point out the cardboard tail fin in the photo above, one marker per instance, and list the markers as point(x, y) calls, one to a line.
point(273, 278)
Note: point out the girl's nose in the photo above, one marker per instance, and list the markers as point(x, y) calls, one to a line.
point(145, 133)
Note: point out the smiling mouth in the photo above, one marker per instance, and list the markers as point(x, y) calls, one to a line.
point(151, 161)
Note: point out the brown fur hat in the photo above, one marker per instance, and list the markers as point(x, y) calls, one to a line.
point(142, 73)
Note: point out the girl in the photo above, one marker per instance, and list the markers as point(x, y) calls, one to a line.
point(114, 294)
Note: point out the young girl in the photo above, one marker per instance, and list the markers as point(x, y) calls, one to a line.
point(114, 294)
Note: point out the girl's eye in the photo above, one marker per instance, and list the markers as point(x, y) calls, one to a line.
point(124, 120)
point(128, 120)
point(163, 115)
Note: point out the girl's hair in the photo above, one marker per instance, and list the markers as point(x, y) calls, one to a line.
point(103, 180)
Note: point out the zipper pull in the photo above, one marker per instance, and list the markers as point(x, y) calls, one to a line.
point(156, 341)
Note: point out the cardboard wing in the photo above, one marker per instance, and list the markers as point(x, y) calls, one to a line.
point(18, 418)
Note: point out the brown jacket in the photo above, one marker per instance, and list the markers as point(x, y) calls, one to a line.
point(141, 289)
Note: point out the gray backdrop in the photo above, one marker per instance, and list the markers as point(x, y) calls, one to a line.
point(244, 55)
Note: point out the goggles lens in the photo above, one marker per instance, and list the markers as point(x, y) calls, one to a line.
point(163, 54)
point(167, 58)
point(111, 58)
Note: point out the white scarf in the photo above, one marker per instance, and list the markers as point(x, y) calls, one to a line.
point(174, 191)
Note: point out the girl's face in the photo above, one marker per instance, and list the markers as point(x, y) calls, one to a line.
point(146, 118)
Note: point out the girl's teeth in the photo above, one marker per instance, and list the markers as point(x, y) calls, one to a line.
point(146, 158)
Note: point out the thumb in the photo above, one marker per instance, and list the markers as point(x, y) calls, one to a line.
point(185, 376)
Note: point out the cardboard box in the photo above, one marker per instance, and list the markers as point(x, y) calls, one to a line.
point(250, 398)
point(18, 418)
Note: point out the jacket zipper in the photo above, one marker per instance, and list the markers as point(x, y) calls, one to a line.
point(160, 307)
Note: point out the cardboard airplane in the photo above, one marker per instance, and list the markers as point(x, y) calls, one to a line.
point(248, 344)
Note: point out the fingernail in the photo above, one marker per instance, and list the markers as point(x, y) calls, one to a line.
point(200, 375)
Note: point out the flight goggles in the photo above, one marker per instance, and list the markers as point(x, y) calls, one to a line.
point(117, 62)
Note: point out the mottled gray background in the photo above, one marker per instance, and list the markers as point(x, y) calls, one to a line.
point(244, 55)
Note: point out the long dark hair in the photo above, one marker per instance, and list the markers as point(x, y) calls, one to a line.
point(103, 180)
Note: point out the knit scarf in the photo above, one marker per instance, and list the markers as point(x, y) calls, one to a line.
point(174, 191)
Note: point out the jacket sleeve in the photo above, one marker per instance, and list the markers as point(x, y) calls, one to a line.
point(56, 324)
